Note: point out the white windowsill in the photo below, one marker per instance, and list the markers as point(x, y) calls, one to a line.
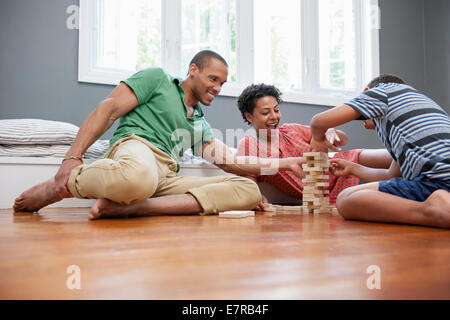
point(296, 97)
point(232, 90)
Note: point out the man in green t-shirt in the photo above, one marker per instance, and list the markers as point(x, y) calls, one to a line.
point(160, 118)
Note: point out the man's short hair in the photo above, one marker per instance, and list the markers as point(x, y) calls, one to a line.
point(385, 78)
point(201, 59)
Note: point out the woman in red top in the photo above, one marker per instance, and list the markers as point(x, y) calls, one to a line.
point(259, 106)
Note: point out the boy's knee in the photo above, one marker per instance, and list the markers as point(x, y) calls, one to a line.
point(344, 195)
point(344, 202)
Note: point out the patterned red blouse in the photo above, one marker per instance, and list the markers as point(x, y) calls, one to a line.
point(294, 139)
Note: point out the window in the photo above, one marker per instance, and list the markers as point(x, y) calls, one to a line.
point(315, 51)
point(277, 43)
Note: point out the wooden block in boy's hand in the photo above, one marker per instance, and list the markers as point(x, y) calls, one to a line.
point(236, 214)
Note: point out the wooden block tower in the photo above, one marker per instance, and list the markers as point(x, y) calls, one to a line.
point(315, 195)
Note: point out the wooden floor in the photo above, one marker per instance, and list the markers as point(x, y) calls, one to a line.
point(194, 257)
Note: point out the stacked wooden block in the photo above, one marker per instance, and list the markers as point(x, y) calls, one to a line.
point(315, 193)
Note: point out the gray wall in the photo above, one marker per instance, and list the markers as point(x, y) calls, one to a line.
point(39, 56)
point(437, 51)
point(39, 64)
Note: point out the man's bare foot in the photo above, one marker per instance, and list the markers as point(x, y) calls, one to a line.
point(437, 207)
point(104, 208)
point(37, 197)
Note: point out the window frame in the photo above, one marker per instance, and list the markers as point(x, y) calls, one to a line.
point(367, 44)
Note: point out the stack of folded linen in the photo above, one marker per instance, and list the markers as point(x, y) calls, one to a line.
point(42, 138)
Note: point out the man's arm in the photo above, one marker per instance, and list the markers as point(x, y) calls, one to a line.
point(321, 122)
point(220, 155)
point(119, 102)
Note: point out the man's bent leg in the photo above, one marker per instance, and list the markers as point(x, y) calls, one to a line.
point(37, 197)
point(187, 195)
point(214, 194)
point(174, 204)
point(129, 175)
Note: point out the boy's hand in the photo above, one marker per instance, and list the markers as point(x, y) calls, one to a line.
point(333, 137)
point(322, 146)
point(341, 167)
point(369, 124)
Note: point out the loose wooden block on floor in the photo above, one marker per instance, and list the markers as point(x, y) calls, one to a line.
point(236, 214)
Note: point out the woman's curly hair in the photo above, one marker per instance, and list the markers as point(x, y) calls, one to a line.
point(247, 99)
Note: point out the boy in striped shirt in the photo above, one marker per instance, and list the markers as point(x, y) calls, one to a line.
point(416, 132)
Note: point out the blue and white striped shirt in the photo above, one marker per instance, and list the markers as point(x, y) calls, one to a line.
point(413, 128)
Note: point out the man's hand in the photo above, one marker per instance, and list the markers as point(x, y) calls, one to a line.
point(341, 167)
point(260, 206)
point(62, 177)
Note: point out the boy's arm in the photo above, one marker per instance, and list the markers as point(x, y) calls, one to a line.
point(321, 122)
point(220, 155)
point(341, 167)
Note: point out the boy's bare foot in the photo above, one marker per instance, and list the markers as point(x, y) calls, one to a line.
point(37, 197)
point(104, 208)
point(437, 207)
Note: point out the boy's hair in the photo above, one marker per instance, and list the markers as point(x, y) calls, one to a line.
point(202, 58)
point(247, 99)
point(385, 78)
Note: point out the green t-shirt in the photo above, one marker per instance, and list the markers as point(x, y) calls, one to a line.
point(161, 116)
